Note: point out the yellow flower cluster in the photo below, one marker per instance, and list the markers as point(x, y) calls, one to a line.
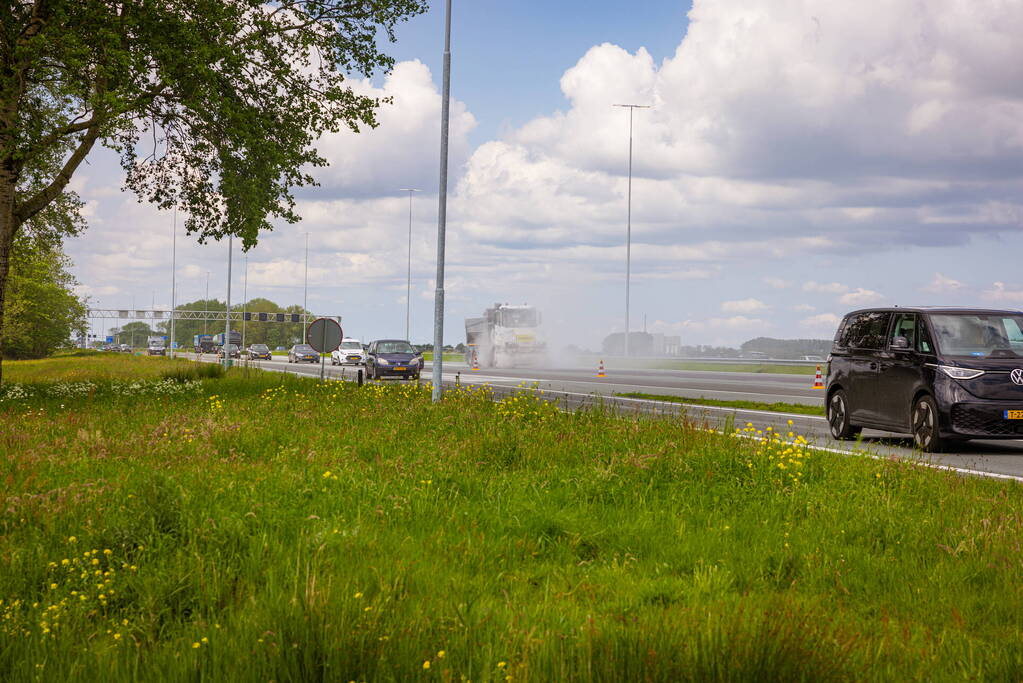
point(527, 404)
point(76, 586)
point(215, 404)
point(780, 457)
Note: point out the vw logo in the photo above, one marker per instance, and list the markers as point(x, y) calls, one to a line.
point(1016, 376)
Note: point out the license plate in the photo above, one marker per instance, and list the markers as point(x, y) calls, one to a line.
point(353, 357)
point(400, 368)
point(1014, 414)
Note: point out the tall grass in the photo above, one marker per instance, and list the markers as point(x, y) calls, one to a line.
point(274, 528)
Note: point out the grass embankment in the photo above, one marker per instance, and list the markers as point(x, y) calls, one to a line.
point(668, 364)
point(449, 357)
point(273, 528)
point(796, 408)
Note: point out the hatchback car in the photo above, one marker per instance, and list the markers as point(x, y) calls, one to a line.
point(349, 353)
point(303, 353)
point(259, 351)
point(940, 374)
point(393, 358)
point(229, 351)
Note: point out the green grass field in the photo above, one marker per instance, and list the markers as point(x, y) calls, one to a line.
point(261, 527)
point(797, 408)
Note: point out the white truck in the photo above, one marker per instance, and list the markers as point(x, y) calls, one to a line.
point(157, 346)
point(507, 336)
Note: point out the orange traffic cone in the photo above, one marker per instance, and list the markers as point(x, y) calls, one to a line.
point(600, 369)
point(818, 382)
point(475, 361)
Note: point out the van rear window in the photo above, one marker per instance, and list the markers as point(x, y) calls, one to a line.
point(865, 330)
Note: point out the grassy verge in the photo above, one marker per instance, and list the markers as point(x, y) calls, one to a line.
point(265, 527)
point(448, 356)
point(796, 408)
point(738, 366)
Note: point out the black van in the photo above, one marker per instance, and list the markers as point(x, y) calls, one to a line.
point(941, 374)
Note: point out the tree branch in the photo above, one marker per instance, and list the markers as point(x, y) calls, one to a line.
point(41, 199)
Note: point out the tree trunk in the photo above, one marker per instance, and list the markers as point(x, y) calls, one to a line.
point(9, 225)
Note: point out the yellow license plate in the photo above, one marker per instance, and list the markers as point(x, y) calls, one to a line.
point(400, 369)
point(1014, 414)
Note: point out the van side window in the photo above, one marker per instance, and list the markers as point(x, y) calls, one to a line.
point(905, 326)
point(867, 330)
point(924, 343)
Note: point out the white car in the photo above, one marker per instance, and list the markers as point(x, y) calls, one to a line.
point(349, 353)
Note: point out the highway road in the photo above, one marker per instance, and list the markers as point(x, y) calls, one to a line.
point(575, 388)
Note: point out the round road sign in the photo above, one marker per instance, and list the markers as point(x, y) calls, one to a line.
point(324, 335)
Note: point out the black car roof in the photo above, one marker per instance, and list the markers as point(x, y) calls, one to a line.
point(936, 309)
point(402, 341)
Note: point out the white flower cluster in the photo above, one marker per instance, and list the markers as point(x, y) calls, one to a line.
point(164, 387)
point(13, 392)
point(154, 388)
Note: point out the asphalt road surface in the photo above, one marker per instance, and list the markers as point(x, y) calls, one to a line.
point(575, 388)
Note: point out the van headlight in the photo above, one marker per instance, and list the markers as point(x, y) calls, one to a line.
point(960, 373)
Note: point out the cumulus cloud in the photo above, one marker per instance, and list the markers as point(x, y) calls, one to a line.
point(941, 284)
point(825, 288)
point(750, 305)
point(823, 323)
point(860, 297)
point(781, 134)
point(1003, 293)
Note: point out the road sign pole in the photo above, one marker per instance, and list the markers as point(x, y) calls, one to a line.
point(323, 345)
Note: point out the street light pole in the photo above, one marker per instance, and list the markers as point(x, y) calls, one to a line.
point(408, 284)
point(305, 288)
point(206, 305)
point(442, 212)
point(227, 314)
point(174, 278)
point(245, 298)
point(628, 229)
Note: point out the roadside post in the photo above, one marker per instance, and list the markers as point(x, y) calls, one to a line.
point(324, 335)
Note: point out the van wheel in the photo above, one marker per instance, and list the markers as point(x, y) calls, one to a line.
point(925, 426)
point(838, 418)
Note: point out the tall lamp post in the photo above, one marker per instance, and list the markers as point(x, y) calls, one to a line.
point(174, 278)
point(206, 305)
point(245, 298)
point(408, 283)
point(628, 229)
point(227, 313)
point(305, 287)
point(442, 212)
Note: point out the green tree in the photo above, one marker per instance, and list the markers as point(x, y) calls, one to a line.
point(44, 312)
point(135, 334)
point(214, 105)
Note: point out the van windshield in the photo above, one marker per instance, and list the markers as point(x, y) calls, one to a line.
point(980, 336)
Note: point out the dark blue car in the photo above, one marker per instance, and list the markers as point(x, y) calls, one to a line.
point(393, 358)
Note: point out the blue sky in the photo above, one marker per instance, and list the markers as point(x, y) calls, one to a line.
point(803, 158)
point(507, 57)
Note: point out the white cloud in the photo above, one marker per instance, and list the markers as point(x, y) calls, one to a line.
point(804, 308)
point(941, 284)
point(1002, 293)
point(822, 323)
point(750, 305)
point(777, 282)
point(860, 297)
point(826, 288)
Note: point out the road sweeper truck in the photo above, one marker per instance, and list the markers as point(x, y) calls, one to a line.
point(507, 336)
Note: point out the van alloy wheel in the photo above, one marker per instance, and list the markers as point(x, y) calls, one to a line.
point(925, 426)
point(838, 417)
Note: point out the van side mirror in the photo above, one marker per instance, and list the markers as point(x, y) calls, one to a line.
point(900, 343)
